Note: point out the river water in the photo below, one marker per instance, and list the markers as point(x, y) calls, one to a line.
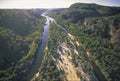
point(39, 55)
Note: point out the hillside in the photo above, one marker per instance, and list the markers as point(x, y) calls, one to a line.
point(79, 11)
point(20, 34)
point(98, 30)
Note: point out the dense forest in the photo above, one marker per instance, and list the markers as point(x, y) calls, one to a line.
point(20, 35)
point(98, 30)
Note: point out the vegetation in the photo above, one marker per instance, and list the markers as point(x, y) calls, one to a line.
point(92, 28)
point(79, 11)
point(49, 67)
point(98, 29)
point(20, 34)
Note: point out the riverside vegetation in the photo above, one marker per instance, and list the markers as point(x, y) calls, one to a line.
point(20, 34)
point(64, 59)
point(89, 51)
point(98, 29)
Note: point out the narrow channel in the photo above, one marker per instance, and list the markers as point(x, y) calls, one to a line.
point(39, 55)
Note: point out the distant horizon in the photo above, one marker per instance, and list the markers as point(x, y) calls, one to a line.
point(51, 4)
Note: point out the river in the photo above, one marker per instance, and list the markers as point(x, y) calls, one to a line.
point(39, 55)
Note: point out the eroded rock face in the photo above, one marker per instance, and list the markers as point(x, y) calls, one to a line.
point(65, 64)
point(67, 61)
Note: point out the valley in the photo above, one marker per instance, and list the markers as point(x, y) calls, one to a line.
point(79, 43)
